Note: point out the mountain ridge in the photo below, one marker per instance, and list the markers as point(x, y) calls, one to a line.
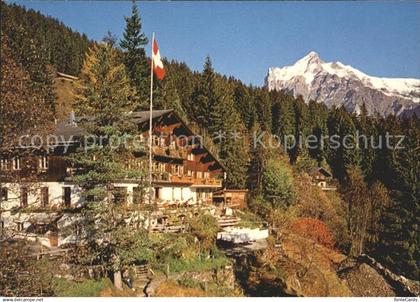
point(337, 84)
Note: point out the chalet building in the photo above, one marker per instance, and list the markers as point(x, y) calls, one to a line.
point(322, 178)
point(184, 171)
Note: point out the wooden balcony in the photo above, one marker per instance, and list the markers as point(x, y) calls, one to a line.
point(184, 179)
point(208, 182)
point(181, 179)
point(170, 152)
point(196, 181)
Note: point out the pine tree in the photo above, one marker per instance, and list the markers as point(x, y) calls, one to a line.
point(258, 155)
point(319, 116)
point(367, 132)
point(399, 241)
point(245, 104)
point(170, 98)
point(105, 99)
point(205, 96)
point(383, 169)
point(302, 128)
point(234, 150)
point(283, 119)
point(342, 153)
point(134, 55)
point(61, 47)
point(263, 107)
point(283, 116)
point(185, 82)
point(214, 110)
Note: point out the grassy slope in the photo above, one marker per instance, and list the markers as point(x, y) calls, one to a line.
point(64, 90)
point(88, 288)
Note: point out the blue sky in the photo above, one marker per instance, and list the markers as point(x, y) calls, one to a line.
point(244, 39)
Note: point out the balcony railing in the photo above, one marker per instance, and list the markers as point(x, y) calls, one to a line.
point(207, 181)
point(167, 177)
point(170, 151)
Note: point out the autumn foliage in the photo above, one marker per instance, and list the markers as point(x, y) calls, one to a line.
point(314, 229)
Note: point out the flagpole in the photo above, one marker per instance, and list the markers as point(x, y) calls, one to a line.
point(150, 126)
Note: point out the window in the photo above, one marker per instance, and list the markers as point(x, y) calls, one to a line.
point(16, 163)
point(179, 169)
point(44, 196)
point(190, 156)
point(206, 175)
point(19, 226)
point(4, 164)
point(199, 174)
point(23, 197)
point(4, 194)
point(159, 167)
point(2, 225)
point(43, 162)
point(67, 196)
point(156, 167)
point(156, 140)
point(157, 193)
point(189, 172)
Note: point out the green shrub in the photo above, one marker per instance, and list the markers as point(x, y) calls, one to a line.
point(205, 228)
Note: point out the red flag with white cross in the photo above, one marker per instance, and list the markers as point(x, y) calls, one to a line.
point(158, 68)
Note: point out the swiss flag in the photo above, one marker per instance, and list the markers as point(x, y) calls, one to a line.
point(157, 62)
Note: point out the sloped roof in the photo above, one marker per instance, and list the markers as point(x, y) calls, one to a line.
point(67, 129)
point(144, 116)
point(320, 170)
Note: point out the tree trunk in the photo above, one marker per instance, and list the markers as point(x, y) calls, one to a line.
point(117, 279)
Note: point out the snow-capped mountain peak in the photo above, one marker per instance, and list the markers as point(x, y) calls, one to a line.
point(311, 58)
point(337, 84)
point(306, 67)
